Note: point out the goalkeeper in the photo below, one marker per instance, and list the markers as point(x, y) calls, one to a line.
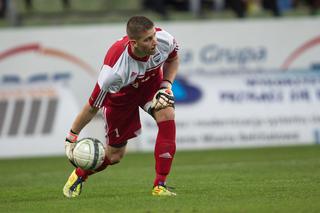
point(138, 71)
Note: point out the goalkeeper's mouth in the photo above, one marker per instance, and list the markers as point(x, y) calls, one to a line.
point(153, 50)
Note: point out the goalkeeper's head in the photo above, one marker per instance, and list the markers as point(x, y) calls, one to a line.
point(138, 25)
point(142, 35)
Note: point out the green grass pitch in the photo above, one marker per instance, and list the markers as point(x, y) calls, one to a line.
point(281, 179)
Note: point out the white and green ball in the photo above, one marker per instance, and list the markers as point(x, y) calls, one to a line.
point(89, 153)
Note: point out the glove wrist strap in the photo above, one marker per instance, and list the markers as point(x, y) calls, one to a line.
point(72, 137)
point(166, 84)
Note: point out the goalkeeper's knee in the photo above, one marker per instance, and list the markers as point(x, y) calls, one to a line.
point(165, 114)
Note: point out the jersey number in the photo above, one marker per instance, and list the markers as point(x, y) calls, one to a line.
point(117, 132)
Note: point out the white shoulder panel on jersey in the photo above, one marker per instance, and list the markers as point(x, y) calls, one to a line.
point(166, 41)
point(109, 80)
point(123, 73)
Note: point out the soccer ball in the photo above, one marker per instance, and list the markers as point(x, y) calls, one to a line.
point(88, 153)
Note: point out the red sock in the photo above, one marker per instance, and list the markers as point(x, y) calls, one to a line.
point(164, 151)
point(85, 173)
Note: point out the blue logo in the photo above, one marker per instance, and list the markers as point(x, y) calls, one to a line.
point(184, 92)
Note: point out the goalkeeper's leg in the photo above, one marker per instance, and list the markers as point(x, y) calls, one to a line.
point(113, 156)
point(73, 187)
point(165, 149)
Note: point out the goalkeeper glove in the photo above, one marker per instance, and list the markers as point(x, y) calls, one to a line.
point(164, 97)
point(69, 145)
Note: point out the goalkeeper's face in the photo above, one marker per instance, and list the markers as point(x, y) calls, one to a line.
point(146, 44)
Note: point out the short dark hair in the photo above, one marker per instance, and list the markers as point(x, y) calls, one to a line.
point(137, 25)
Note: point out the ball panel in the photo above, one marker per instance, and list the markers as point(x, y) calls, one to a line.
point(82, 154)
point(95, 155)
point(89, 153)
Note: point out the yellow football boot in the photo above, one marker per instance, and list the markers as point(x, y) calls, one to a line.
point(162, 191)
point(73, 186)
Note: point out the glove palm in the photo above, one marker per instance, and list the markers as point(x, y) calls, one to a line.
point(162, 99)
point(70, 144)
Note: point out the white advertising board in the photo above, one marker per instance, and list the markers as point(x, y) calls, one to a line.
point(34, 119)
point(216, 57)
point(249, 45)
point(271, 109)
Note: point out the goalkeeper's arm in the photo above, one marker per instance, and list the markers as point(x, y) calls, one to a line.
point(164, 97)
point(83, 118)
point(170, 69)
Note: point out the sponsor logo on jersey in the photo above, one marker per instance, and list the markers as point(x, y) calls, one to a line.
point(157, 57)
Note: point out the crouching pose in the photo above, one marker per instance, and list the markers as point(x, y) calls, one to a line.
point(138, 71)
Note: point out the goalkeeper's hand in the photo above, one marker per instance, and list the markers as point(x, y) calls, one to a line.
point(163, 98)
point(69, 145)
